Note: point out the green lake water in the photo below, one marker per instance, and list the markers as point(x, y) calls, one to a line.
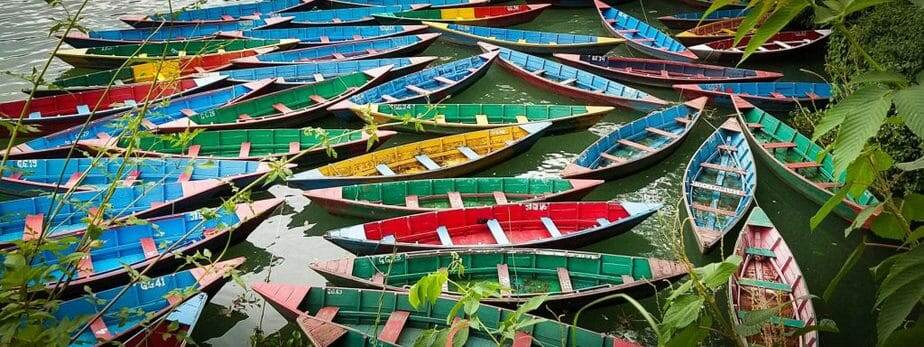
point(281, 248)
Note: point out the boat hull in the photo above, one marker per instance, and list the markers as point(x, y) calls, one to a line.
point(764, 103)
point(561, 125)
point(586, 48)
point(667, 82)
point(501, 21)
point(403, 51)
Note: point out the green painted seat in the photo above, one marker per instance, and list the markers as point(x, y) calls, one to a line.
point(750, 282)
point(786, 322)
point(763, 252)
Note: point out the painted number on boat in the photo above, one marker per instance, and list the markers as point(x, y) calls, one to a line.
point(334, 291)
point(30, 163)
point(153, 283)
point(536, 207)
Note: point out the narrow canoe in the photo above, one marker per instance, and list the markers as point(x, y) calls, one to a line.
point(58, 112)
point(705, 4)
point(573, 3)
point(638, 145)
point(320, 36)
point(641, 36)
point(528, 41)
point(558, 225)
point(169, 331)
point(290, 107)
point(32, 176)
point(430, 3)
point(687, 20)
point(782, 44)
point(111, 57)
point(663, 73)
point(449, 156)
point(769, 277)
point(718, 184)
point(29, 218)
point(572, 82)
point(569, 278)
point(216, 14)
point(710, 32)
point(771, 96)
point(253, 144)
point(317, 72)
point(459, 118)
point(791, 156)
point(153, 299)
point(138, 246)
point(388, 47)
point(431, 85)
point(333, 312)
point(117, 37)
point(57, 145)
point(494, 16)
point(393, 199)
point(346, 16)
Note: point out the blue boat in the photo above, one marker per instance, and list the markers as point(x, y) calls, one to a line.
point(719, 184)
point(572, 82)
point(217, 14)
point(768, 96)
point(345, 16)
point(426, 86)
point(136, 246)
point(317, 72)
point(151, 300)
point(431, 3)
point(117, 37)
point(399, 46)
point(687, 20)
point(171, 330)
point(320, 36)
point(29, 218)
point(29, 177)
point(642, 36)
point(528, 41)
point(638, 145)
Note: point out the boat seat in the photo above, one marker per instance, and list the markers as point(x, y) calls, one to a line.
point(393, 327)
point(371, 51)
point(428, 163)
point(762, 49)
point(472, 70)
point(603, 222)
point(727, 148)
point(443, 233)
point(481, 119)
point(34, 224)
point(439, 119)
point(626, 279)
point(193, 151)
point(324, 334)
point(83, 109)
point(336, 56)
point(35, 115)
point(776, 286)
point(567, 82)
point(318, 77)
point(763, 252)
point(384, 170)
point(357, 37)
point(72, 182)
point(185, 176)
point(149, 247)
point(522, 339)
point(317, 99)
point(777, 95)
point(16, 175)
point(412, 201)
point(756, 125)
point(327, 313)
point(522, 119)
point(499, 237)
point(282, 108)
point(643, 40)
point(388, 239)
point(782, 44)
point(131, 178)
point(720, 189)
point(85, 266)
point(613, 158)
point(550, 226)
point(188, 112)
point(245, 150)
point(775, 145)
point(537, 72)
point(564, 280)
point(443, 80)
point(130, 102)
point(812, 95)
point(827, 185)
point(503, 278)
point(295, 147)
point(802, 165)
point(610, 20)
point(181, 54)
point(657, 131)
point(627, 31)
point(324, 39)
point(416, 89)
point(243, 117)
point(469, 153)
point(455, 199)
point(378, 278)
point(724, 168)
point(100, 330)
point(715, 210)
point(635, 145)
point(499, 198)
point(389, 98)
point(776, 320)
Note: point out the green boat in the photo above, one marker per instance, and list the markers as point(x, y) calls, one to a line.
point(401, 198)
point(290, 107)
point(204, 52)
point(389, 317)
point(459, 118)
point(571, 279)
point(791, 157)
point(250, 144)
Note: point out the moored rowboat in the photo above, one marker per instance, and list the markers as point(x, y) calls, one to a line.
point(687, 20)
point(775, 96)
point(493, 16)
point(320, 36)
point(663, 73)
point(393, 199)
point(782, 44)
point(641, 36)
point(345, 16)
point(169, 331)
point(710, 32)
point(213, 53)
point(117, 37)
point(217, 14)
point(429, 3)
point(317, 72)
point(527, 41)
point(387, 47)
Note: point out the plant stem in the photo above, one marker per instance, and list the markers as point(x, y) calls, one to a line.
point(840, 27)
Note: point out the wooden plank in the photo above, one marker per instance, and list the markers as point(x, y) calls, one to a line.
point(412, 201)
point(323, 334)
point(455, 199)
point(245, 150)
point(635, 145)
point(428, 163)
point(389, 98)
point(131, 178)
point(683, 120)
point(613, 158)
point(719, 189)
point(827, 185)
point(724, 168)
point(149, 248)
point(445, 238)
point(755, 125)
point(522, 339)
point(384, 170)
point(564, 280)
point(802, 165)
point(282, 108)
point(100, 330)
point(185, 176)
point(35, 223)
point(188, 112)
point(444, 80)
point(193, 151)
point(657, 131)
point(72, 182)
point(499, 236)
point(85, 266)
point(727, 148)
point(537, 72)
point(378, 278)
point(550, 226)
point(503, 277)
point(481, 119)
point(567, 82)
point(416, 89)
point(317, 99)
point(715, 210)
point(469, 153)
point(626, 279)
point(318, 77)
point(327, 313)
point(324, 39)
point(393, 327)
point(499, 198)
point(775, 145)
point(522, 119)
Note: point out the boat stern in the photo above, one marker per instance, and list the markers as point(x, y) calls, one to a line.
point(284, 297)
point(194, 188)
point(697, 104)
point(212, 274)
point(353, 232)
point(574, 170)
point(324, 194)
point(535, 128)
point(639, 209)
point(247, 211)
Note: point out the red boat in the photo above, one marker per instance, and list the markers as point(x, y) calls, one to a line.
point(53, 113)
point(560, 225)
point(781, 44)
point(663, 73)
point(491, 16)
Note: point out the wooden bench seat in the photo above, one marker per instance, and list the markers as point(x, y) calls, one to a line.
point(719, 189)
point(497, 232)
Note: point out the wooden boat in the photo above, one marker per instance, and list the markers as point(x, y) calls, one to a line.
point(428, 85)
point(161, 334)
point(138, 246)
point(710, 32)
point(572, 3)
point(430, 3)
point(574, 83)
point(289, 107)
point(320, 36)
point(663, 73)
point(569, 278)
point(705, 4)
point(449, 156)
point(393, 199)
point(718, 184)
point(253, 144)
point(458, 118)
point(57, 145)
point(687, 20)
point(31, 176)
point(316, 72)
point(528, 41)
point(776, 96)
point(782, 44)
point(152, 299)
point(346, 16)
point(54, 216)
point(54, 113)
point(112, 57)
point(792, 157)
point(387, 47)
point(495, 16)
point(769, 277)
point(638, 145)
point(335, 316)
point(217, 14)
point(558, 225)
point(641, 36)
point(78, 39)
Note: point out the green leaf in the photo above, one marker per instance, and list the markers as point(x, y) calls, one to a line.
point(825, 325)
point(861, 218)
point(848, 265)
point(896, 307)
point(857, 5)
point(753, 17)
point(906, 268)
point(909, 103)
point(826, 209)
point(683, 311)
point(717, 4)
point(830, 120)
point(911, 165)
point(880, 77)
point(692, 335)
point(888, 226)
point(532, 304)
point(913, 207)
point(426, 339)
point(779, 19)
point(716, 275)
point(917, 234)
point(864, 112)
point(907, 337)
